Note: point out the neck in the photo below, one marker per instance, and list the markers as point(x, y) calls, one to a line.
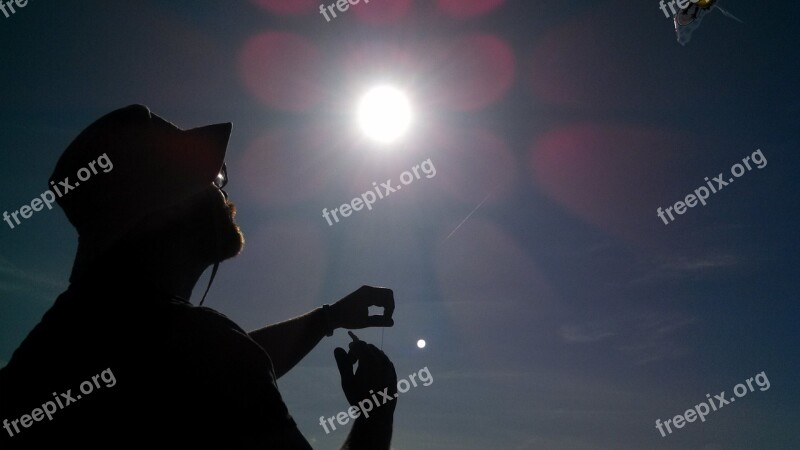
point(173, 270)
point(174, 279)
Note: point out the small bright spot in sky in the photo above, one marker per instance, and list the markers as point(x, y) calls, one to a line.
point(421, 343)
point(384, 114)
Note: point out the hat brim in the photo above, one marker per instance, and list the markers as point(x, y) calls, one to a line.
point(210, 145)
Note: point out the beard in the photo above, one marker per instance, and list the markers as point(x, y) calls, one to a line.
point(228, 236)
point(210, 228)
point(203, 231)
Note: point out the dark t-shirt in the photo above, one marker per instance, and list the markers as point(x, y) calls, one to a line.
point(119, 367)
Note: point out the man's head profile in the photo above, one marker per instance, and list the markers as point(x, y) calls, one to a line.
point(164, 195)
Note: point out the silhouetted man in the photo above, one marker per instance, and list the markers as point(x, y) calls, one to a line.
point(122, 359)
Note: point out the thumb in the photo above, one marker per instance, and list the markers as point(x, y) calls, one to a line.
point(344, 364)
point(345, 371)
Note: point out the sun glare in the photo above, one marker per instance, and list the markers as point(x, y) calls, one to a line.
point(384, 114)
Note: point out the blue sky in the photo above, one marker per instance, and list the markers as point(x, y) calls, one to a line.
point(563, 314)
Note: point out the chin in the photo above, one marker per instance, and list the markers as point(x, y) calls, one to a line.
point(232, 245)
point(227, 234)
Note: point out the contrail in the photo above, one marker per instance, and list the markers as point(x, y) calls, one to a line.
point(468, 215)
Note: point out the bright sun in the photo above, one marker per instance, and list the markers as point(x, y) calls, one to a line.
point(384, 114)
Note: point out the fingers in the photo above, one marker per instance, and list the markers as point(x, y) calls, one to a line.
point(378, 365)
point(352, 312)
point(370, 358)
point(358, 350)
point(383, 298)
point(380, 321)
point(361, 351)
point(345, 362)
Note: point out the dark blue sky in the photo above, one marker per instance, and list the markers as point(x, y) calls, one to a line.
point(563, 314)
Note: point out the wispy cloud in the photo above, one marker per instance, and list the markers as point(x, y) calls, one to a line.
point(576, 333)
point(695, 264)
point(685, 267)
point(14, 280)
point(644, 337)
point(651, 351)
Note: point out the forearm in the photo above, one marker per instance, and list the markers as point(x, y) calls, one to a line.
point(368, 435)
point(289, 342)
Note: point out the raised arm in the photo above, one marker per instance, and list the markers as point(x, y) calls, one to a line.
point(289, 342)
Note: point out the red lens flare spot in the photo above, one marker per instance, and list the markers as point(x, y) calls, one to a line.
point(463, 9)
point(379, 12)
point(287, 7)
point(476, 71)
point(610, 176)
point(281, 69)
point(278, 168)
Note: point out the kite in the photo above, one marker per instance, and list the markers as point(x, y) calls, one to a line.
point(689, 18)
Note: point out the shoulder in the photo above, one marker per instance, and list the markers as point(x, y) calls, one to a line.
point(200, 335)
point(202, 325)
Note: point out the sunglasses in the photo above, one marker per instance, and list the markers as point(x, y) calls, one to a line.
point(222, 180)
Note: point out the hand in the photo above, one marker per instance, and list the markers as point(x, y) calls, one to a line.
point(352, 312)
point(374, 379)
